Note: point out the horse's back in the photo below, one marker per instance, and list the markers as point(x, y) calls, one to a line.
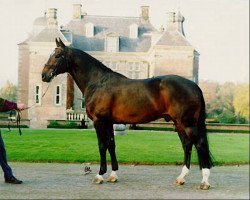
point(179, 86)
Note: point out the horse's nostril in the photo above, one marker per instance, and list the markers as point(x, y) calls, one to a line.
point(43, 76)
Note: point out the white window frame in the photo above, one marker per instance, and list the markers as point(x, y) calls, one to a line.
point(82, 101)
point(38, 94)
point(133, 31)
point(134, 70)
point(89, 27)
point(59, 95)
point(112, 43)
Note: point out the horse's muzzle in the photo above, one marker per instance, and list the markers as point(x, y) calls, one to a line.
point(47, 77)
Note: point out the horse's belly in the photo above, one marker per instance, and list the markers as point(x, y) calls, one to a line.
point(135, 115)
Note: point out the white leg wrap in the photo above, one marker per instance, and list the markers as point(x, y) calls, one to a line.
point(205, 175)
point(181, 178)
point(113, 177)
point(184, 172)
point(99, 178)
point(113, 173)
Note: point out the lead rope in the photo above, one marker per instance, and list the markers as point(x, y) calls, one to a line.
point(19, 114)
point(41, 98)
point(17, 121)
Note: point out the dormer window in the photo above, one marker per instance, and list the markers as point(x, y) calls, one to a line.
point(112, 42)
point(133, 31)
point(89, 27)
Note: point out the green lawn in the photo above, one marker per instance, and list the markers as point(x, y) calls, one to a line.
point(136, 147)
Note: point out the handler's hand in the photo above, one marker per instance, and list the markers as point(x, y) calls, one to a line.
point(21, 106)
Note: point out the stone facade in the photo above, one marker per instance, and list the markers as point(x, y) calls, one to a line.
point(128, 45)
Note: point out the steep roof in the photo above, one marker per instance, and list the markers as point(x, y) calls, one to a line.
point(75, 32)
point(48, 35)
point(40, 21)
point(173, 38)
point(107, 24)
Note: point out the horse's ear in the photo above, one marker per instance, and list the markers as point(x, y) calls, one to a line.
point(61, 43)
point(57, 43)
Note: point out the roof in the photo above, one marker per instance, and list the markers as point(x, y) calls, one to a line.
point(75, 32)
point(47, 35)
point(107, 24)
point(173, 38)
point(40, 21)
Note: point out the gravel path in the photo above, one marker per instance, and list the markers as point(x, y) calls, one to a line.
point(67, 181)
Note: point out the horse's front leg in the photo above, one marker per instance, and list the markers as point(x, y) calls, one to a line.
point(102, 136)
point(111, 148)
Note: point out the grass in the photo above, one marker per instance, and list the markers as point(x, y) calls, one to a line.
point(140, 147)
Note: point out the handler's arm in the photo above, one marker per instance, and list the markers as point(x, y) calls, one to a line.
point(6, 105)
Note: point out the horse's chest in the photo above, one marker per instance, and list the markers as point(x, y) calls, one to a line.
point(98, 104)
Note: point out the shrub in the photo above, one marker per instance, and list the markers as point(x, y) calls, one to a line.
point(56, 124)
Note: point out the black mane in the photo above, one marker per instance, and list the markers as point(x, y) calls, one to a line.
point(90, 59)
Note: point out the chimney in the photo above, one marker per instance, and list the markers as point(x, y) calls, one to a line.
point(52, 18)
point(161, 29)
point(77, 11)
point(175, 22)
point(144, 17)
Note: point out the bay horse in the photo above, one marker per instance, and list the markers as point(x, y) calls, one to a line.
point(112, 98)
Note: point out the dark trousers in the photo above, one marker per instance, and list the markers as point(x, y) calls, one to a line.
point(3, 159)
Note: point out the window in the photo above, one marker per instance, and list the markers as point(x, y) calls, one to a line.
point(38, 94)
point(89, 30)
point(58, 95)
point(133, 31)
point(82, 102)
point(112, 42)
point(111, 65)
point(134, 70)
point(136, 66)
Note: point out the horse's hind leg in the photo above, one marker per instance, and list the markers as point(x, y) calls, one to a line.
point(204, 161)
point(187, 147)
point(200, 141)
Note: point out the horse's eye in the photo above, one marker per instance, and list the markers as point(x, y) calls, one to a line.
point(58, 56)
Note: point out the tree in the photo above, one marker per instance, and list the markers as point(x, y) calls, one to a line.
point(210, 92)
point(219, 101)
point(9, 91)
point(226, 94)
point(241, 101)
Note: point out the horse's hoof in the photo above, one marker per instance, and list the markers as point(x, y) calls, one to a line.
point(204, 186)
point(180, 181)
point(112, 179)
point(98, 179)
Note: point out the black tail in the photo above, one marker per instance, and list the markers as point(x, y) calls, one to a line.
point(202, 146)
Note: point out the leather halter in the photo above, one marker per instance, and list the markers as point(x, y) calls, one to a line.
point(64, 57)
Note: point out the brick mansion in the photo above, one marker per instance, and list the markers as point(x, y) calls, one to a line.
point(128, 45)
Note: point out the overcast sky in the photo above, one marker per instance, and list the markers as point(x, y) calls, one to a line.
point(218, 29)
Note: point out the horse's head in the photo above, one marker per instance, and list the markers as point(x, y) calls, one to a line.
point(57, 62)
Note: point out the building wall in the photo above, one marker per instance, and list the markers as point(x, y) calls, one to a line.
point(23, 76)
point(196, 67)
point(174, 60)
point(46, 109)
point(131, 65)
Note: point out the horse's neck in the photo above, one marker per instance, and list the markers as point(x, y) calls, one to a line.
point(84, 74)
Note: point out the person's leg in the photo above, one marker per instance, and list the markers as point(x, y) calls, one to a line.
point(8, 175)
point(3, 160)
